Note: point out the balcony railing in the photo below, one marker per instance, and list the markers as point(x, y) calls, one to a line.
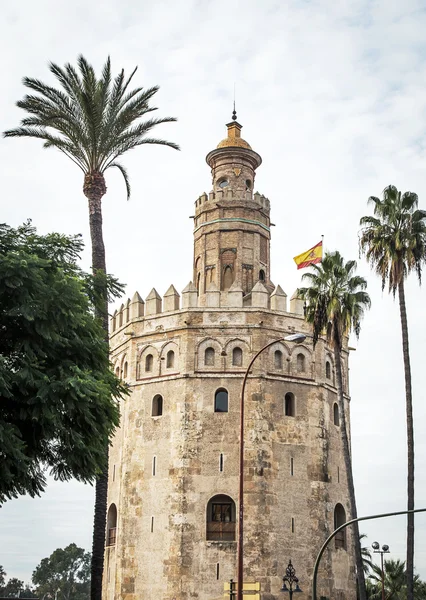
point(221, 531)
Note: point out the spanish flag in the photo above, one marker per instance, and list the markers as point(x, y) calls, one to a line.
point(310, 257)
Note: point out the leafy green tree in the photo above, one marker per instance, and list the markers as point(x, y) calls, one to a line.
point(12, 589)
point(58, 394)
point(64, 575)
point(335, 302)
point(2, 576)
point(93, 121)
point(394, 242)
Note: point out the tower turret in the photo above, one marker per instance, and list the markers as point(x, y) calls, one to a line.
point(232, 225)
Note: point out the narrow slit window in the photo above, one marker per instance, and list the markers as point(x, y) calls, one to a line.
point(289, 405)
point(340, 519)
point(149, 361)
point(113, 473)
point(338, 474)
point(221, 401)
point(292, 466)
point(278, 359)
point(221, 463)
point(170, 360)
point(217, 570)
point(328, 370)
point(237, 357)
point(154, 465)
point(292, 524)
point(152, 524)
point(157, 406)
point(336, 417)
point(209, 357)
point(125, 370)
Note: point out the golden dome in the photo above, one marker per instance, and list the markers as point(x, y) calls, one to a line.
point(234, 139)
point(234, 142)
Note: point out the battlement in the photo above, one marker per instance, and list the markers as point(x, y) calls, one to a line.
point(172, 302)
point(229, 195)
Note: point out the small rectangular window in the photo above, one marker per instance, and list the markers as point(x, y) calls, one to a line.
point(291, 466)
point(152, 524)
point(221, 463)
point(292, 525)
point(154, 461)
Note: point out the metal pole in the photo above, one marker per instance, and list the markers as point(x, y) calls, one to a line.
point(383, 578)
point(240, 547)
point(330, 537)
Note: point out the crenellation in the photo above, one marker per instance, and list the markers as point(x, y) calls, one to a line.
point(259, 296)
point(189, 296)
point(171, 299)
point(137, 307)
point(153, 303)
point(126, 311)
point(296, 304)
point(279, 299)
point(212, 295)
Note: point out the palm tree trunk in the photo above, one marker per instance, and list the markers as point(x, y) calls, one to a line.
point(349, 474)
point(94, 188)
point(410, 443)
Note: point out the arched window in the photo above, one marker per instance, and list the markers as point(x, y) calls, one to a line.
point(221, 401)
point(228, 277)
point(336, 415)
point(289, 405)
point(170, 360)
point(209, 357)
point(221, 515)
point(111, 525)
point(117, 371)
point(339, 519)
point(237, 357)
point(198, 282)
point(157, 406)
point(149, 360)
point(300, 360)
point(278, 359)
point(328, 369)
point(125, 370)
point(261, 275)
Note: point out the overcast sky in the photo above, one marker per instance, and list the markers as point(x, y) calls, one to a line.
point(333, 97)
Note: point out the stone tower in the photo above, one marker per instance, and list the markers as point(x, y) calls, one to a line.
point(173, 473)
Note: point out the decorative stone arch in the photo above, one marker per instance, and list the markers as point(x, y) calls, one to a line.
point(169, 358)
point(221, 517)
point(201, 354)
point(143, 360)
point(278, 358)
point(227, 261)
point(233, 345)
point(301, 361)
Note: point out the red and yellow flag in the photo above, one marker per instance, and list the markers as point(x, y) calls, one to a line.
point(310, 257)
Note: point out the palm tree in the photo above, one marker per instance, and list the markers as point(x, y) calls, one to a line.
point(335, 303)
point(394, 242)
point(93, 122)
point(394, 580)
point(367, 559)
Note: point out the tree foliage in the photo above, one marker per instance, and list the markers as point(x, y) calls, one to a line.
point(93, 121)
point(13, 588)
point(57, 393)
point(394, 239)
point(64, 575)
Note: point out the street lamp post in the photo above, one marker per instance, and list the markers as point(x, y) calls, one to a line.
point(384, 550)
point(297, 338)
point(290, 578)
